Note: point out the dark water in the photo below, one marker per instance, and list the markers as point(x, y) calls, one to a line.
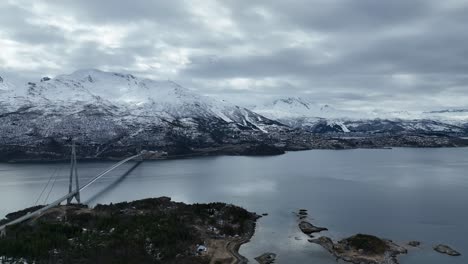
point(400, 194)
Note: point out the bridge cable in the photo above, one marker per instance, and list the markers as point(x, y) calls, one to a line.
point(51, 188)
point(45, 187)
point(61, 199)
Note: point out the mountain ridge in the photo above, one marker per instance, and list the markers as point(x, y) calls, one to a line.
point(322, 118)
point(113, 115)
point(103, 108)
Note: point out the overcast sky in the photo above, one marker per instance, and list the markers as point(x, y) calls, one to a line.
point(398, 54)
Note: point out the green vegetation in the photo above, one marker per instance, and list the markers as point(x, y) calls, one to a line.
point(368, 243)
point(145, 231)
point(18, 214)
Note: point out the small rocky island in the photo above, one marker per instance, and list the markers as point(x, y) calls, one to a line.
point(358, 249)
point(155, 230)
point(362, 248)
point(444, 249)
point(308, 228)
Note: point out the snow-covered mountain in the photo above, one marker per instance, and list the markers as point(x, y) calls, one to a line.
point(302, 113)
point(142, 98)
point(306, 114)
point(293, 107)
point(113, 114)
point(99, 109)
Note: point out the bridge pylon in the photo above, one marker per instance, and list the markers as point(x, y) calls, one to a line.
point(73, 176)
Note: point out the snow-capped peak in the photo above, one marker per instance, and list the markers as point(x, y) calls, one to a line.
point(296, 107)
point(90, 84)
point(138, 96)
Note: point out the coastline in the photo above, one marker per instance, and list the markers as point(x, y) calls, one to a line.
point(213, 152)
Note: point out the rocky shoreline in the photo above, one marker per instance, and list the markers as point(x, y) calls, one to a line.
point(52, 151)
point(444, 249)
point(362, 248)
point(369, 249)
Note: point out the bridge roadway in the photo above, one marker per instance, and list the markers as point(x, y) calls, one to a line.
point(65, 197)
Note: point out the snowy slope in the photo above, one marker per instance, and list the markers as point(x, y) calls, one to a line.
point(10, 98)
point(100, 109)
point(139, 97)
point(294, 107)
point(6, 88)
point(306, 114)
point(302, 113)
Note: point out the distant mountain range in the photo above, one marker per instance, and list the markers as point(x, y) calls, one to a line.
point(449, 111)
point(301, 113)
point(112, 114)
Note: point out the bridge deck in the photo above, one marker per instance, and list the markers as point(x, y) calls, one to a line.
point(69, 195)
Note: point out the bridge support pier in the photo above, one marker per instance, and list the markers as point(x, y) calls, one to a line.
point(73, 176)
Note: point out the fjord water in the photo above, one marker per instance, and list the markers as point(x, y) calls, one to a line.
point(400, 194)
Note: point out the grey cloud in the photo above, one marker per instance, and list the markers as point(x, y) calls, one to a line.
point(88, 55)
point(340, 15)
point(282, 62)
point(110, 11)
point(14, 23)
point(345, 52)
point(34, 35)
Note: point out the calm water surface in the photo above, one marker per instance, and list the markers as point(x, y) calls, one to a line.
point(400, 194)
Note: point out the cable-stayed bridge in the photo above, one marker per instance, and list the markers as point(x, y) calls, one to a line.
point(73, 192)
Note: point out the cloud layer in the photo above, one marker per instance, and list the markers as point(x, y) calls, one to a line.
point(349, 53)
